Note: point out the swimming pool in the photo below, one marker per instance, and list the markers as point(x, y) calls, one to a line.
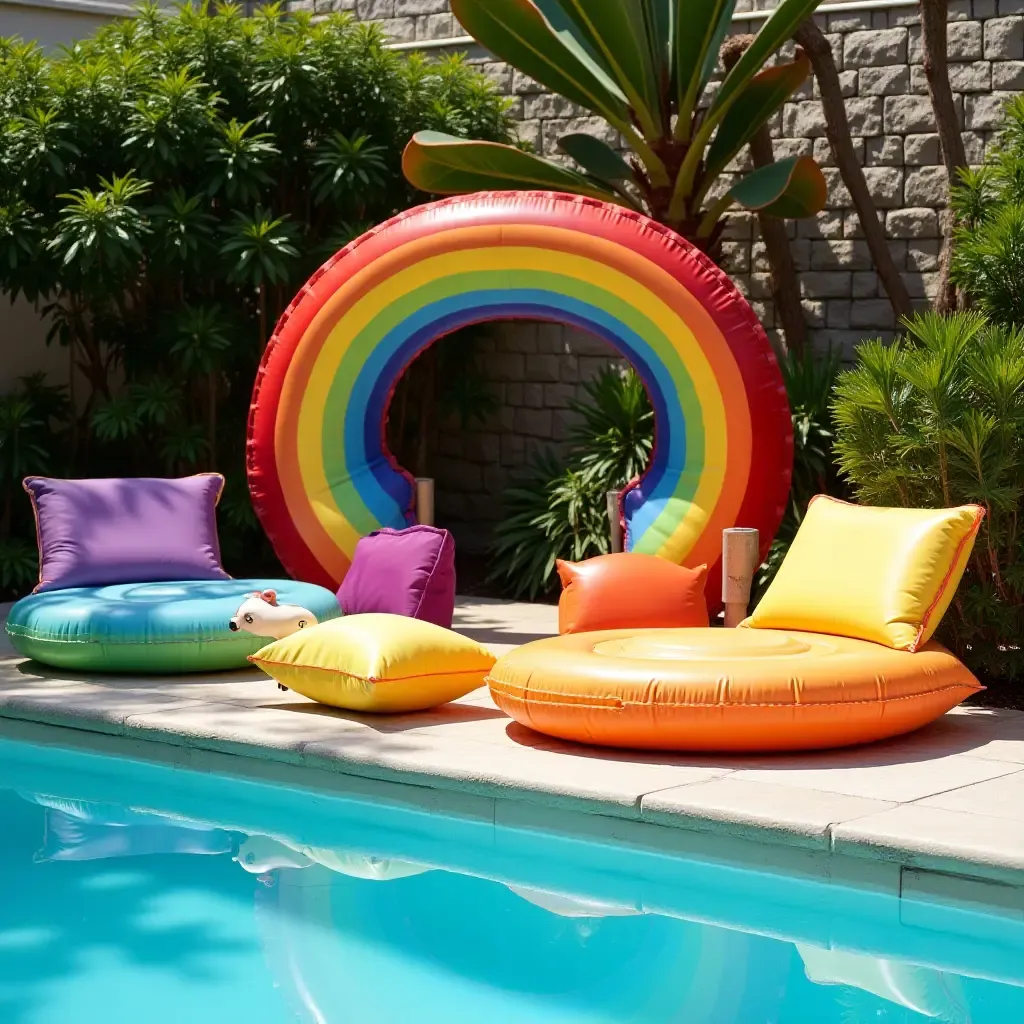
point(137, 892)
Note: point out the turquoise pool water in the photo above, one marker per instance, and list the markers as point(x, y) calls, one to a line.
point(145, 894)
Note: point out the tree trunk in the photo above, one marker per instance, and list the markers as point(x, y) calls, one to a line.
point(936, 72)
point(785, 289)
point(427, 410)
point(262, 293)
point(837, 129)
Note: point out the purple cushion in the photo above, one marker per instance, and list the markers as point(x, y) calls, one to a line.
point(131, 530)
point(404, 572)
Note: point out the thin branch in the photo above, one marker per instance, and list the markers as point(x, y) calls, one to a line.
point(837, 129)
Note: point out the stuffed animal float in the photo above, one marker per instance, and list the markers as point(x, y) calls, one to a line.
point(261, 615)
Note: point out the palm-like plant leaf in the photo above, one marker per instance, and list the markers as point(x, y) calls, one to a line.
point(696, 50)
point(758, 101)
point(618, 33)
point(450, 166)
point(794, 187)
point(518, 32)
point(596, 157)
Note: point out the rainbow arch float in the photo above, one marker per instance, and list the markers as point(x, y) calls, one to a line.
point(319, 470)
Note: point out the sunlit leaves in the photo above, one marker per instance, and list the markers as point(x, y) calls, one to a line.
point(260, 247)
point(342, 164)
point(240, 162)
point(103, 230)
point(936, 420)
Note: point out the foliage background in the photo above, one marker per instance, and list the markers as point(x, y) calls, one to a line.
point(165, 188)
point(934, 420)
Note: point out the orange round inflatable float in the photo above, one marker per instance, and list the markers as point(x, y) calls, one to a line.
point(723, 690)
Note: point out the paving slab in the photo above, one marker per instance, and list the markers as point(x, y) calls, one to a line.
point(997, 798)
point(860, 772)
point(937, 838)
point(732, 801)
point(948, 797)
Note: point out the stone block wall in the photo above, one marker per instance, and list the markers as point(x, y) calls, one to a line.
point(534, 371)
point(880, 60)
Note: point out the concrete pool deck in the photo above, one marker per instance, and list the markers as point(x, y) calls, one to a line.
point(948, 798)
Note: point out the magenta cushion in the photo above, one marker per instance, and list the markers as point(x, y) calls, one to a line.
point(403, 572)
point(129, 530)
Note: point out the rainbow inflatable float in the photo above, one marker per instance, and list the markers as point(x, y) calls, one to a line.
point(319, 470)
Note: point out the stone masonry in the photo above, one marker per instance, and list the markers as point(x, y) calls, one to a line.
point(536, 369)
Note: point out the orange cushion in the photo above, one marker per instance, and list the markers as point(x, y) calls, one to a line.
point(725, 689)
point(630, 591)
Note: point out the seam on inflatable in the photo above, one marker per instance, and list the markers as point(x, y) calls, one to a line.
point(366, 679)
point(56, 638)
point(618, 704)
point(39, 537)
point(423, 592)
point(979, 515)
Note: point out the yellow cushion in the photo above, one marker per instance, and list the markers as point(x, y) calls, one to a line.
point(880, 574)
point(377, 663)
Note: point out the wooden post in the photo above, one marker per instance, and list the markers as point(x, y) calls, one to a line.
point(425, 500)
point(740, 547)
point(614, 522)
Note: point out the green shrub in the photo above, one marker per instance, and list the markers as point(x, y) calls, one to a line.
point(33, 440)
point(937, 419)
point(165, 188)
point(560, 510)
point(988, 257)
point(809, 379)
point(556, 512)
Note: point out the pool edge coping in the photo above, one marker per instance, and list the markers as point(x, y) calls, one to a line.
point(844, 855)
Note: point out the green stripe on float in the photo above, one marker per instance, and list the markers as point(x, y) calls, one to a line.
point(663, 352)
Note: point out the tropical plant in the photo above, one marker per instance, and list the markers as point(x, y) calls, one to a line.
point(556, 512)
point(988, 204)
point(937, 419)
point(165, 188)
point(31, 442)
point(559, 510)
point(809, 378)
point(614, 433)
point(646, 68)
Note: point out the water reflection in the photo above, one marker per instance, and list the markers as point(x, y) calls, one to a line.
point(412, 923)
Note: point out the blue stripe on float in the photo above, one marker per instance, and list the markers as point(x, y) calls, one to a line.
point(388, 494)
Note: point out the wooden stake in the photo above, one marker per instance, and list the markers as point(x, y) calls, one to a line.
point(425, 500)
point(740, 557)
point(614, 522)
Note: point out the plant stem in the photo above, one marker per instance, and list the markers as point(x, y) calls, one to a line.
point(785, 290)
point(936, 72)
point(262, 292)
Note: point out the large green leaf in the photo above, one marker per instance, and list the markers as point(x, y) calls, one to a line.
point(700, 26)
point(446, 165)
point(794, 187)
point(659, 17)
point(596, 157)
point(761, 98)
point(774, 32)
point(518, 32)
point(618, 33)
